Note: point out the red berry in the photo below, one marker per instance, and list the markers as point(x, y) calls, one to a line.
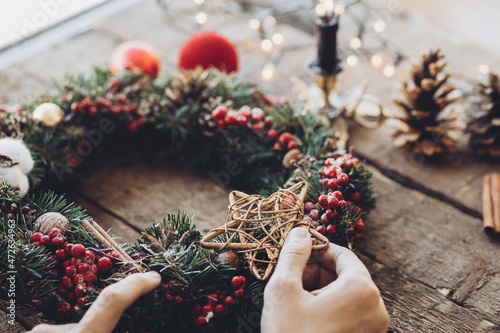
point(356, 236)
point(257, 114)
point(132, 127)
point(242, 120)
point(104, 263)
point(308, 206)
point(355, 196)
point(285, 138)
point(45, 240)
point(343, 203)
point(343, 179)
point(321, 229)
point(277, 146)
point(60, 255)
point(323, 202)
point(78, 250)
point(92, 111)
point(359, 226)
point(76, 309)
point(37, 244)
point(324, 182)
point(245, 111)
point(331, 214)
point(340, 162)
point(355, 161)
point(115, 110)
point(178, 300)
point(90, 278)
point(219, 309)
point(70, 271)
point(350, 163)
point(70, 296)
point(236, 282)
point(207, 309)
point(75, 262)
point(240, 293)
point(338, 195)
point(81, 290)
point(53, 273)
point(81, 301)
point(83, 268)
point(89, 257)
point(257, 127)
point(212, 298)
point(329, 162)
point(272, 134)
point(86, 103)
point(197, 308)
point(75, 107)
point(200, 322)
point(114, 255)
point(219, 113)
point(58, 242)
point(314, 214)
point(324, 219)
point(61, 290)
point(63, 308)
point(333, 203)
point(169, 297)
point(243, 280)
point(78, 278)
point(229, 301)
point(94, 269)
point(331, 230)
point(231, 118)
point(292, 144)
point(36, 236)
point(332, 184)
point(67, 248)
point(66, 264)
point(53, 259)
point(268, 121)
point(121, 99)
point(67, 282)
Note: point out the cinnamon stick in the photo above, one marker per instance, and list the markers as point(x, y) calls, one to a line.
point(491, 204)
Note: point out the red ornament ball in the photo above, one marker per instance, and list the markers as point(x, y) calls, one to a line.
point(135, 56)
point(208, 49)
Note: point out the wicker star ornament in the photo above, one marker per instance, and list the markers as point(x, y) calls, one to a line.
point(258, 227)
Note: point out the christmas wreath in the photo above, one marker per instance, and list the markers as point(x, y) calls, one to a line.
point(205, 120)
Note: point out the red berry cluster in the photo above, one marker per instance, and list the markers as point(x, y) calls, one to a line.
point(76, 269)
point(284, 141)
point(323, 214)
point(114, 105)
point(218, 303)
point(244, 117)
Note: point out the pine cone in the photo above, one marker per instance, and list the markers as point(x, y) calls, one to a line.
point(426, 127)
point(484, 118)
point(190, 87)
point(12, 124)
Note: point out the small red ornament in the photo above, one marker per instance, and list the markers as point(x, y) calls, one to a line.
point(45, 240)
point(70, 271)
point(207, 309)
point(90, 278)
point(219, 309)
point(240, 293)
point(78, 278)
point(208, 49)
point(58, 242)
point(359, 226)
point(236, 282)
point(104, 263)
point(333, 203)
point(83, 268)
point(77, 250)
point(343, 179)
point(135, 56)
point(60, 255)
point(36, 236)
point(229, 301)
point(81, 290)
point(200, 322)
point(331, 230)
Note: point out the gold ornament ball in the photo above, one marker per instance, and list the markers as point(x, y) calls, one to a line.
point(46, 222)
point(49, 114)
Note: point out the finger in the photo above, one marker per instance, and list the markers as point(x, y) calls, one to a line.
point(114, 299)
point(294, 255)
point(340, 260)
point(46, 328)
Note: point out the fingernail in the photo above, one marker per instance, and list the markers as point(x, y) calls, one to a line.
point(153, 275)
point(298, 233)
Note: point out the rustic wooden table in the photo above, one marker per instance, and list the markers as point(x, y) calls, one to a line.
point(424, 244)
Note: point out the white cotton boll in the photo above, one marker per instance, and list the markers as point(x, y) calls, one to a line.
point(15, 178)
point(17, 152)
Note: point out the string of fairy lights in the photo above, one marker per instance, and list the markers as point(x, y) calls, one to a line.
point(369, 41)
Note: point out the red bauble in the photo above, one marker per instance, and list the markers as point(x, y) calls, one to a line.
point(208, 49)
point(135, 56)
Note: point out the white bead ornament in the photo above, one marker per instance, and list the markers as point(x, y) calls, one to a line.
point(49, 114)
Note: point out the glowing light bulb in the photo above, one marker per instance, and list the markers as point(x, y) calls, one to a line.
point(351, 60)
point(484, 69)
point(254, 24)
point(266, 44)
point(270, 21)
point(355, 43)
point(320, 9)
point(278, 38)
point(389, 70)
point(201, 18)
point(376, 60)
point(339, 9)
point(199, 2)
point(268, 72)
point(378, 26)
point(329, 6)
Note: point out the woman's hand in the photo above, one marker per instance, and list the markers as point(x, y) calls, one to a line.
point(107, 309)
point(343, 297)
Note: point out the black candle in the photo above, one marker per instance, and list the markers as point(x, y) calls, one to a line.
point(326, 62)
